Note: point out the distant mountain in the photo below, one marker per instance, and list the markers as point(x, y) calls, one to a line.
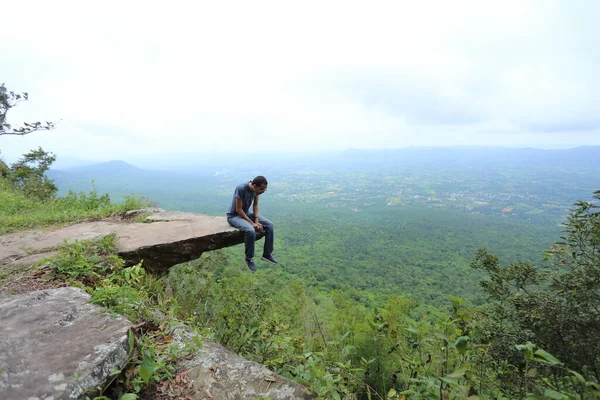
point(410, 156)
point(116, 175)
point(460, 156)
point(121, 178)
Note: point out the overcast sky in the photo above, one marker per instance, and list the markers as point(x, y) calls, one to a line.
point(128, 77)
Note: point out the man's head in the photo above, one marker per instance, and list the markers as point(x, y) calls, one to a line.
point(259, 184)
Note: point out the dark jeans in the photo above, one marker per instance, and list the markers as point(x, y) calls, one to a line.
point(250, 233)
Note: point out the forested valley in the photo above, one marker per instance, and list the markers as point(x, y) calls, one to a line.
point(414, 273)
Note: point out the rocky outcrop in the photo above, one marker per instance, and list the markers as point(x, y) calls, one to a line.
point(160, 238)
point(54, 344)
point(217, 373)
point(170, 238)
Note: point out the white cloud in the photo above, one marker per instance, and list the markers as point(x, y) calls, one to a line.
point(185, 76)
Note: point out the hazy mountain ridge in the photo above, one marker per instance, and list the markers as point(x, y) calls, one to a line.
point(476, 155)
point(522, 182)
point(586, 156)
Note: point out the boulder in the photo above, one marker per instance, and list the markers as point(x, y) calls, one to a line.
point(55, 345)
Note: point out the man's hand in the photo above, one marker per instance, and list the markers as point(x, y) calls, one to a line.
point(258, 226)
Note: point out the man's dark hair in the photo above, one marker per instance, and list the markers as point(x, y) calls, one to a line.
point(259, 181)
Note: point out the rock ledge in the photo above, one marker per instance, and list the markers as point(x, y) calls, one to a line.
point(164, 238)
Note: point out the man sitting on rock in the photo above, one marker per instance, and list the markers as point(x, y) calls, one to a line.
point(246, 194)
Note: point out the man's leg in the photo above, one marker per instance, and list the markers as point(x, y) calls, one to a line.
point(269, 238)
point(269, 235)
point(249, 233)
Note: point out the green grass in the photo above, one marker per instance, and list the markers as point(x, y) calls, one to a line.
point(20, 212)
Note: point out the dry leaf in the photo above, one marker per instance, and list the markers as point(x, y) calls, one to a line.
point(164, 386)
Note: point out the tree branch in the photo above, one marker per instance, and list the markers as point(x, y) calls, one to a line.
point(36, 126)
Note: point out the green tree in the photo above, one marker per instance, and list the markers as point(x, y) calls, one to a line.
point(4, 170)
point(7, 101)
point(556, 307)
point(28, 174)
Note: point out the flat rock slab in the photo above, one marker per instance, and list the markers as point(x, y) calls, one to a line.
point(55, 345)
point(164, 240)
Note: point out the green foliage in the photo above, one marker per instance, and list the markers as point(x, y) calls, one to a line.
point(555, 307)
point(4, 170)
point(28, 175)
point(131, 292)
point(572, 385)
point(235, 306)
point(156, 355)
point(327, 345)
point(86, 261)
point(435, 359)
point(18, 211)
point(235, 309)
point(341, 348)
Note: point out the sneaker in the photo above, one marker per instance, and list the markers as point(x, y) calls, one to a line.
point(251, 265)
point(269, 259)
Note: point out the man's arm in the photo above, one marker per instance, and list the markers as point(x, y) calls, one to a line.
point(241, 213)
point(255, 209)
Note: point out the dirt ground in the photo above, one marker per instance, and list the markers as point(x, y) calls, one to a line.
point(29, 279)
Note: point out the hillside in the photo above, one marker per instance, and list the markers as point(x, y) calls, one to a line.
point(383, 221)
point(378, 287)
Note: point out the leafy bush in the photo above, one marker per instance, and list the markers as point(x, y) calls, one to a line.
point(86, 261)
